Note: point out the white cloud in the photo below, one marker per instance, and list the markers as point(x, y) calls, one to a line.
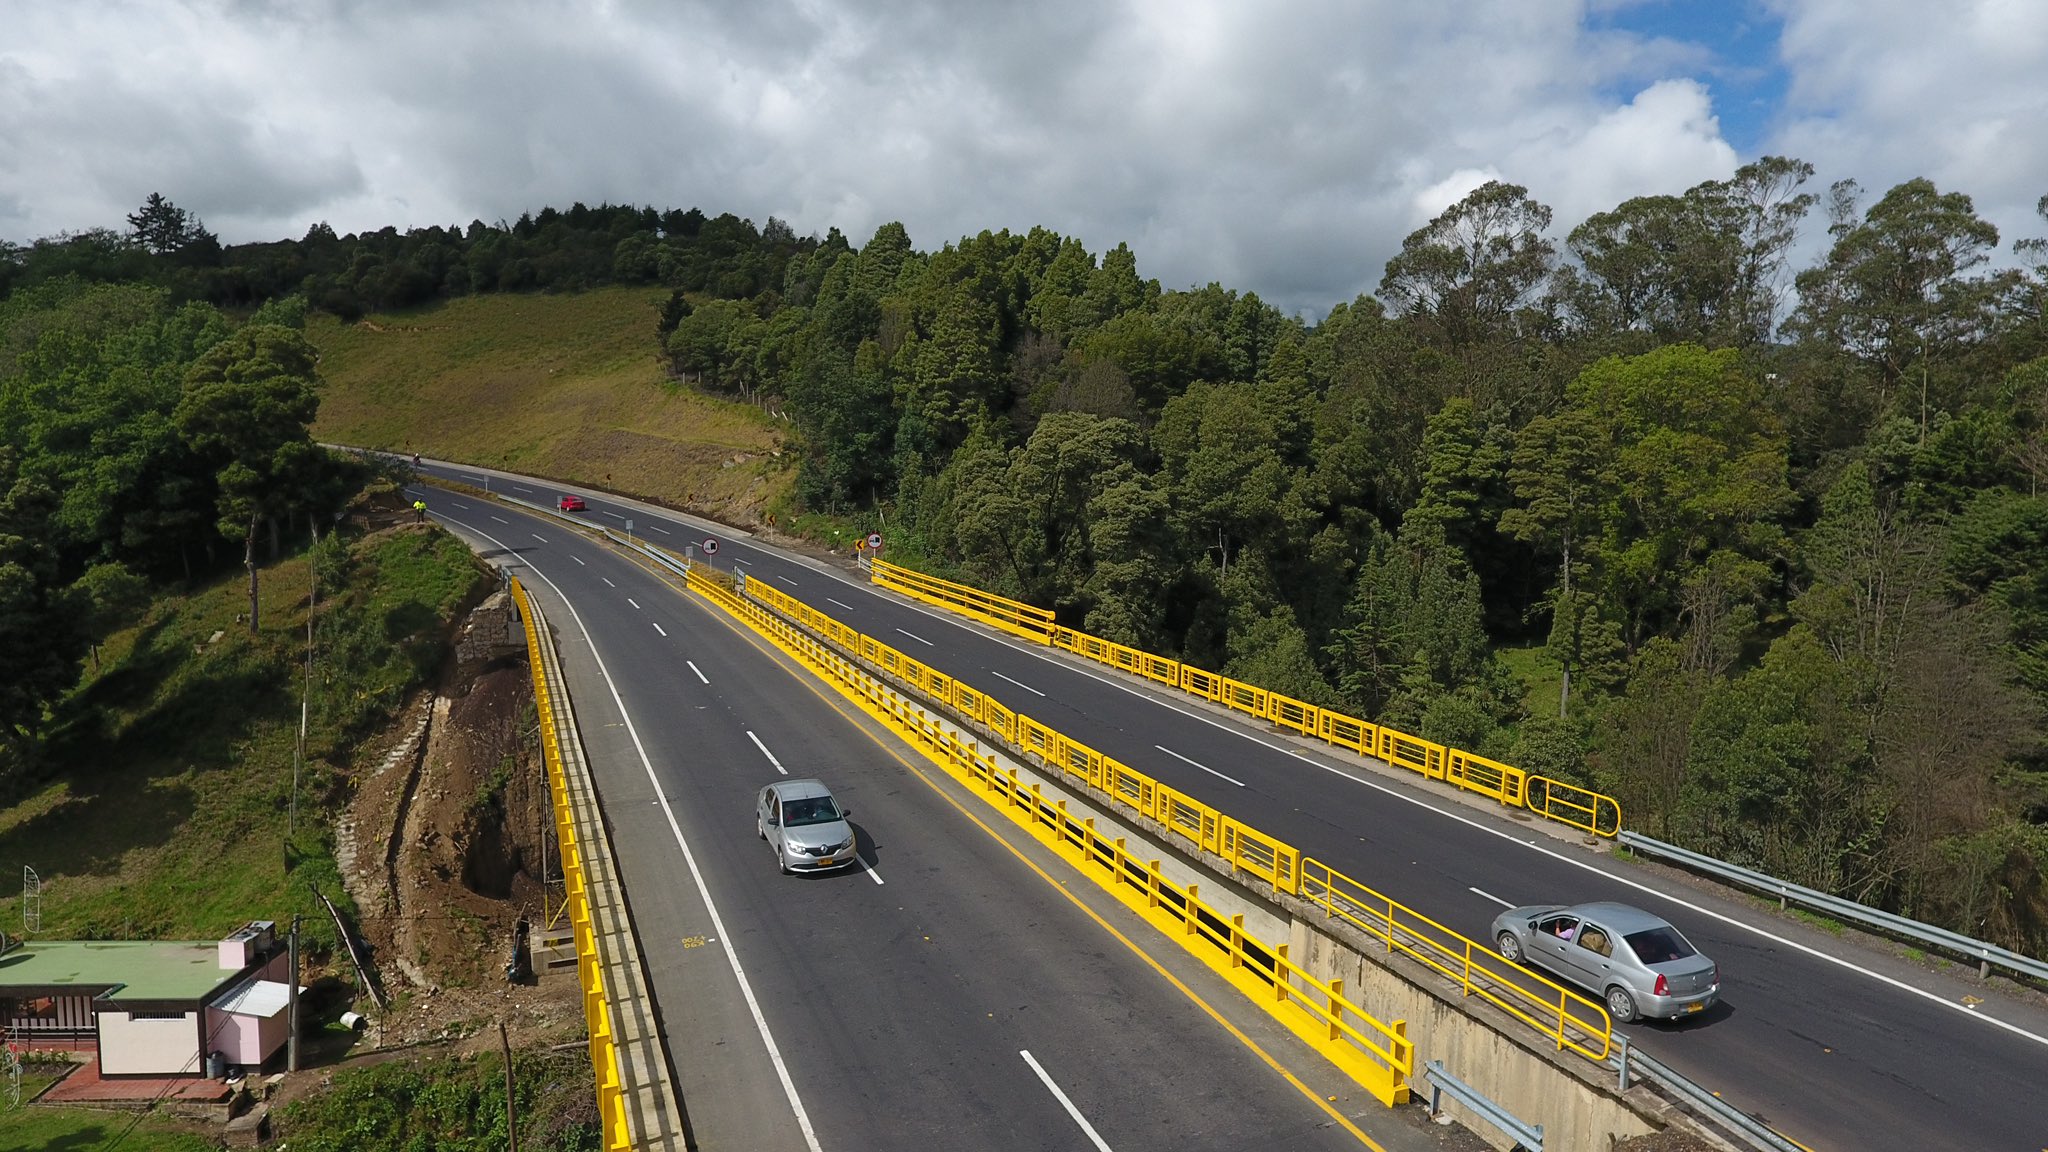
point(1887, 90)
point(1284, 148)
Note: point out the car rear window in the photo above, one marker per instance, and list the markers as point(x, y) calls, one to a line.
point(811, 810)
point(1659, 945)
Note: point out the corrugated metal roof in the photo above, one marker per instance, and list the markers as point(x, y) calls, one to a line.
point(257, 998)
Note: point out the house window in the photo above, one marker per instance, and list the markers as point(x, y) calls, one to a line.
point(156, 1015)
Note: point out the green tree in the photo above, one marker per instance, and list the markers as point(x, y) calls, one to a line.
point(40, 641)
point(1470, 274)
point(248, 405)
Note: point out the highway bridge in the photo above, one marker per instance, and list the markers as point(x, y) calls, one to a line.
point(954, 991)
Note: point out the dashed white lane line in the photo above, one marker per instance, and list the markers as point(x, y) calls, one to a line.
point(872, 874)
point(522, 489)
point(916, 637)
point(607, 580)
point(464, 507)
point(538, 536)
point(701, 677)
point(501, 520)
point(1018, 683)
point(660, 529)
point(634, 603)
point(766, 752)
point(738, 560)
point(786, 580)
point(1087, 1129)
point(659, 628)
point(732, 956)
point(841, 603)
point(613, 515)
point(1199, 764)
point(1489, 896)
point(577, 559)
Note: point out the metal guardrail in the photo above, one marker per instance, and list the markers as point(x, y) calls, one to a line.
point(1528, 1137)
point(1732, 1120)
point(1987, 955)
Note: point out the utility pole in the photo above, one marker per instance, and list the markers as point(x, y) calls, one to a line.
point(511, 1116)
point(291, 1000)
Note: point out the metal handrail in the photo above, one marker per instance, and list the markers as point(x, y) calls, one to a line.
point(1525, 1136)
point(1733, 1120)
point(1987, 955)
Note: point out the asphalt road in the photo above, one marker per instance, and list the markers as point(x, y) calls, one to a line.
point(1839, 1046)
point(944, 995)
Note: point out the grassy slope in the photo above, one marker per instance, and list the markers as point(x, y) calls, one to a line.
point(169, 816)
point(565, 386)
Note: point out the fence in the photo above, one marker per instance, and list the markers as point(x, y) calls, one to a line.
point(1571, 1021)
point(1567, 803)
point(604, 1057)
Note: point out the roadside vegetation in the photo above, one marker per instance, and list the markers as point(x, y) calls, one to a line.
point(1760, 549)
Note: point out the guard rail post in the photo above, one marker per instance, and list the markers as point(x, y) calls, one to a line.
point(1525, 1136)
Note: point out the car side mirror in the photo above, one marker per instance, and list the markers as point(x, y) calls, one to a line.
point(774, 821)
point(846, 813)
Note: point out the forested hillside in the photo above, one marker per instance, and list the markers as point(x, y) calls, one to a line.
point(1762, 549)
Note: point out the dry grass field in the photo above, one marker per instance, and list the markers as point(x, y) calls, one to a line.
point(563, 386)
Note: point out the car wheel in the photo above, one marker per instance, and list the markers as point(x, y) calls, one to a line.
point(759, 830)
point(1510, 948)
point(1620, 1005)
point(781, 862)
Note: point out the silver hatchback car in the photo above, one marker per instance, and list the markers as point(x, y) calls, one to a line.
point(1638, 963)
point(805, 825)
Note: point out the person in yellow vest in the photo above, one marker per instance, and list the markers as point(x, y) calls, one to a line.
point(419, 511)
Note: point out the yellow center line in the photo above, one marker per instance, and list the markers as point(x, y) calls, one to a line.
point(838, 704)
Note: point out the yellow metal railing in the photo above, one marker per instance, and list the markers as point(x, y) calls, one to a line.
point(604, 1056)
point(1582, 808)
point(1377, 1054)
point(1572, 1021)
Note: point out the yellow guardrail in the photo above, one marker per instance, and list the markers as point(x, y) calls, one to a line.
point(604, 1056)
point(1592, 812)
point(1376, 1054)
point(1573, 1021)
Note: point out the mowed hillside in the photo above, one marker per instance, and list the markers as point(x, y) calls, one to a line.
point(565, 386)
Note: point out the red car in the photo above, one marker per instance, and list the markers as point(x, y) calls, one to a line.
point(572, 504)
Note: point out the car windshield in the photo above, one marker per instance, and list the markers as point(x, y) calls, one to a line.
point(809, 810)
point(1659, 945)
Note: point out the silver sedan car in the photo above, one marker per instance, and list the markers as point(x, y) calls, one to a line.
point(1637, 963)
point(805, 825)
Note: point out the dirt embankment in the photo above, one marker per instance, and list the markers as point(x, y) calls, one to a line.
point(446, 848)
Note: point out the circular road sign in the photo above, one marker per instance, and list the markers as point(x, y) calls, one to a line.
point(710, 546)
point(874, 540)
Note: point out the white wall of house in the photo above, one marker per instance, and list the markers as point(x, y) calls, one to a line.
point(149, 1047)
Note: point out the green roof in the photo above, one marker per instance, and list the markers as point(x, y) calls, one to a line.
point(144, 969)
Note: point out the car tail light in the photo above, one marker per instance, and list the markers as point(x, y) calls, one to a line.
point(1663, 986)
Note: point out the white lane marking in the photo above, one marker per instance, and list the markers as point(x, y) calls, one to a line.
point(613, 515)
point(634, 603)
point(701, 677)
point(916, 637)
point(660, 529)
point(479, 479)
point(786, 580)
point(522, 489)
point(538, 536)
point(1199, 764)
point(1041, 653)
point(502, 520)
point(732, 957)
point(1490, 896)
point(766, 752)
point(659, 628)
point(608, 581)
point(1682, 903)
point(464, 507)
point(841, 603)
point(578, 559)
point(872, 874)
point(737, 560)
point(1018, 683)
point(1086, 1128)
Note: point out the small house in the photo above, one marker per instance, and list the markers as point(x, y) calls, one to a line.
point(151, 1007)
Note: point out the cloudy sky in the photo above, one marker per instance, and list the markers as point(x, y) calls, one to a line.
point(1283, 148)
